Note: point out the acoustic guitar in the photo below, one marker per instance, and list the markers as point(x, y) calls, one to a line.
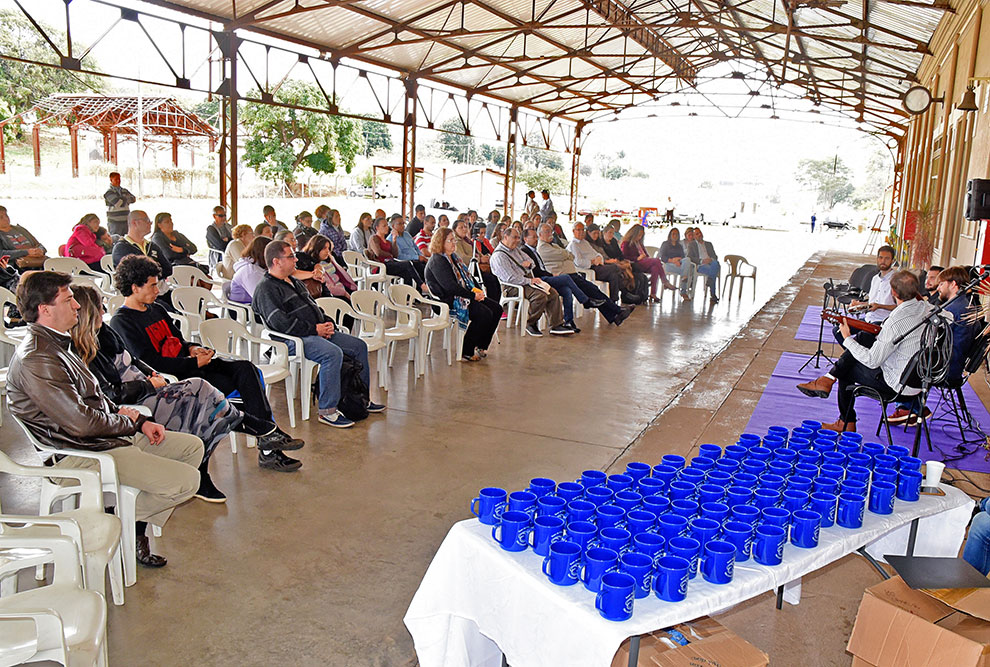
point(836, 317)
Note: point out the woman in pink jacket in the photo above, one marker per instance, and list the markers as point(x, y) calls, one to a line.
point(82, 243)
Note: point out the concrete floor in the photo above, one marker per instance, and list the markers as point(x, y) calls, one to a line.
point(318, 567)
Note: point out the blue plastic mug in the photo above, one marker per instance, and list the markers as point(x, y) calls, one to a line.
point(702, 463)
point(809, 456)
point(898, 451)
point(675, 461)
point(768, 545)
point(745, 513)
point(616, 539)
point(582, 533)
point(649, 544)
point(687, 548)
point(651, 486)
point(785, 455)
point(853, 486)
point(858, 473)
point(799, 483)
point(859, 459)
point(760, 453)
point(738, 495)
point(598, 495)
point(773, 442)
point(686, 508)
point(885, 461)
point(670, 581)
point(610, 516)
point(885, 475)
point(580, 510)
point(832, 471)
point(570, 491)
point(797, 443)
point(725, 465)
point(781, 432)
point(656, 504)
point(627, 499)
point(704, 530)
point(850, 436)
point(882, 497)
point(824, 503)
point(680, 489)
point(592, 478)
point(792, 500)
point(598, 561)
point(665, 473)
point(615, 597)
point(822, 484)
point(775, 516)
point(749, 440)
point(637, 470)
point(639, 521)
point(740, 536)
point(805, 528)
point(551, 506)
point(873, 448)
point(747, 480)
point(771, 481)
point(710, 493)
point(720, 477)
point(782, 468)
point(804, 432)
point(692, 475)
point(847, 447)
point(811, 425)
point(523, 501)
point(909, 463)
point(736, 452)
point(489, 505)
point(909, 485)
point(717, 512)
point(827, 433)
point(513, 533)
point(713, 452)
point(563, 564)
point(850, 511)
point(766, 498)
point(671, 525)
point(806, 470)
point(753, 466)
point(640, 568)
point(546, 531)
point(718, 563)
point(619, 482)
point(542, 486)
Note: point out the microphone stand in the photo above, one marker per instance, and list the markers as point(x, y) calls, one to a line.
point(818, 355)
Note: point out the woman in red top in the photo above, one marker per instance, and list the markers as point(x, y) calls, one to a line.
point(82, 243)
point(380, 250)
point(635, 252)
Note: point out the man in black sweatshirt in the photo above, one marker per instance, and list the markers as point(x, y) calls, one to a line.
point(151, 336)
point(286, 307)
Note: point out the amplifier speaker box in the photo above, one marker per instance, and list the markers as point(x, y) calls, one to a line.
point(978, 199)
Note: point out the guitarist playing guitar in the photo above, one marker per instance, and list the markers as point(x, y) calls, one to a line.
point(880, 301)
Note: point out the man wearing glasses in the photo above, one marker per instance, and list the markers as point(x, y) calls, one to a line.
point(218, 234)
point(285, 305)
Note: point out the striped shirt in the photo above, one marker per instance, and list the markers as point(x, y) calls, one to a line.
point(890, 358)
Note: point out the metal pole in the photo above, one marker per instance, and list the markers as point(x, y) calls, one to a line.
point(140, 137)
point(227, 42)
point(575, 168)
point(36, 148)
point(408, 174)
point(509, 179)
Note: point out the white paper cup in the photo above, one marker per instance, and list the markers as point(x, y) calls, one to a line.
point(933, 472)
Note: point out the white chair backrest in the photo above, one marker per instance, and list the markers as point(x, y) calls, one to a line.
point(335, 309)
point(352, 257)
point(370, 302)
point(225, 336)
point(106, 263)
point(194, 300)
point(187, 276)
point(403, 295)
point(71, 265)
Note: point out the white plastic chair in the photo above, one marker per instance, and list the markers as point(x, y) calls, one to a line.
point(95, 533)
point(516, 306)
point(406, 327)
point(106, 263)
point(301, 368)
point(9, 338)
point(369, 329)
point(76, 267)
point(184, 275)
point(735, 264)
point(405, 295)
point(352, 260)
point(3, 391)
point(59, 622)
point(233, 339)
point(123, 497)
point(195, 302)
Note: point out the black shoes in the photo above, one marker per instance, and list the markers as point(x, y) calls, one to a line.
point(562, 330)
point(621, 317)
point(373, 407)
point(280, 440)
point(277, 461)
point(573, 327)
point(208, 490)
point(144, 555)
point(534, 331)
point(596, 303)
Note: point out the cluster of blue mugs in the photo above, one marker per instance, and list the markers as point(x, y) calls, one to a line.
point(651, 529)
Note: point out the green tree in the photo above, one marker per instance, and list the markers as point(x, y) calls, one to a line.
point(377, 138)
point(829, 177)
point(455, 146)
point(878, 172)
point(494, 155)
point(544, 178)
point(282, 139)
point(539, 157)
point(22, 84)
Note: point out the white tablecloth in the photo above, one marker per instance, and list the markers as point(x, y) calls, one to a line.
point(477, 601)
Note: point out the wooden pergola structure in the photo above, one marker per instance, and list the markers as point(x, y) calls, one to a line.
point(111, 116)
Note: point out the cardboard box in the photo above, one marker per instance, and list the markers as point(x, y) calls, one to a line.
point(709, 643)
point(900, 627)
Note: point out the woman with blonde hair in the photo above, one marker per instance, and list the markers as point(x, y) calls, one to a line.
point(189, 406)
point(242, 235)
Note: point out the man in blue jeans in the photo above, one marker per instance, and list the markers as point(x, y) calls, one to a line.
point(286, 307)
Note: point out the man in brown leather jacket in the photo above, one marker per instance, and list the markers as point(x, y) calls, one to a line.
point(52, 391)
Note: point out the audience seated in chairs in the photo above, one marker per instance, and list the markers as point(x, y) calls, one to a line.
point(675, 261)
point(361, 235)
point(218, 233)
point(249, 270)
point(403, 246)
point(479, 254)
point(304, 229)
point(19, 244)
point(264, 229)
point(450, 281)
point(243, 235)
point(286, 236)
point(177, 248)
point(425, 235)
point(882, 365)
point(587, 257)
point(416, 225)
point(560, 263)
point(702, 255)
point(317, 268)
point(150, 335)
point(268, 211)
point(512, 265)
point(565, 286)
point(331, 228)
point(188, 406)
point(286, 307)
point(634, 251)
point(52, 391)
point(380, 249)
point(82, 242)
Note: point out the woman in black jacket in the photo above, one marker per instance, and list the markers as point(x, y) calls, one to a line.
point(450, 281)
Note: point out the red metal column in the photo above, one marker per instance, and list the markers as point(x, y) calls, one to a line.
point(228, 143)
point(409, 149)
point(575, 168)
point(509, 193)
point(175, 151)
point(74, 150)
point(113, 146)
point(106, 147)
point(36, 148)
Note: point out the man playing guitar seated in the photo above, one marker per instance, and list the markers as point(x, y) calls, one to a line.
point(880, 301)
point(882, 365)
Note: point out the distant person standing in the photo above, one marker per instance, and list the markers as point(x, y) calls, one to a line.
point(813, 219)
point(546, 208)
point(532, 207)
point(119, 202)
point(669, 211)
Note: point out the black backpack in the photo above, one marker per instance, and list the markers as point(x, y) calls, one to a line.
point(640, 294)
point(354, 393)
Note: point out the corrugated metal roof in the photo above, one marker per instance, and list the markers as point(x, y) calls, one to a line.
point(828, 50)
